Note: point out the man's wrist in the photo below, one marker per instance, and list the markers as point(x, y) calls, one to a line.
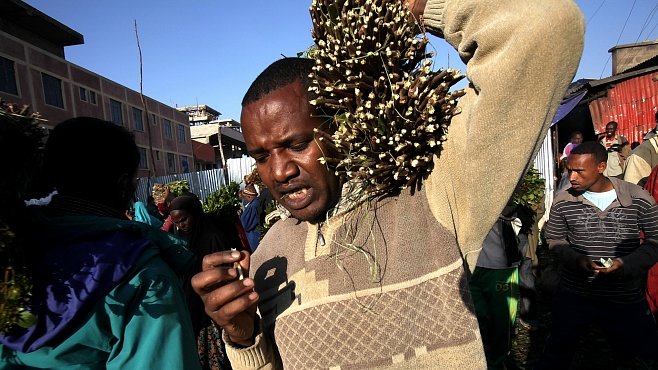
point(242, 344)
point(245, 343)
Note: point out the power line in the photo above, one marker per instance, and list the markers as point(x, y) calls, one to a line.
point(646, 21)
point(626, 22)
point(619, 38)
point(596, 11)
point(650, 32)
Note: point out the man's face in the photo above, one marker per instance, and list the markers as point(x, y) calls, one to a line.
point(278, 131)
point(577, 139)
point(584, 171)
point(610, 130)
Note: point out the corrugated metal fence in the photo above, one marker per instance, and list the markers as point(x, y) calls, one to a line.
point(631, 103)
point(202, 183)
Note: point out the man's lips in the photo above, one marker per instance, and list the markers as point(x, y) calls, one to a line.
point(294, 194)
point(296, 198)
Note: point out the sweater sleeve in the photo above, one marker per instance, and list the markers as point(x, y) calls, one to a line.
point(520, 57)
point(150, 322)
point(259, 356)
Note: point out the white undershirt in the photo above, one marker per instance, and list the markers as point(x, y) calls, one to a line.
point(601, 200)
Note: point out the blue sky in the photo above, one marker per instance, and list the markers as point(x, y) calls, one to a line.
point(209, 51)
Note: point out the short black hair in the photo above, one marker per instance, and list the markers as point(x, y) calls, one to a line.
point(573, 134)
point(279, 74)
point(612, 123)
point(591, 147)
point(85, 157)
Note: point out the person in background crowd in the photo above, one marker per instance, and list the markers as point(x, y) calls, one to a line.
point(618, 149)
point(139, 212)
point(205, 234)
point(250, 216)
point(641, 161)
point(163, 208)
point(320, 267)
point(576, 138)
point(594, 229)
point(247, 194)
point(152, 208)
point(495, 284)
point(651, 186)
point(105, 291)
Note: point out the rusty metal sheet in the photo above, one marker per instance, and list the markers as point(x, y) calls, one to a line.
point(632, 103)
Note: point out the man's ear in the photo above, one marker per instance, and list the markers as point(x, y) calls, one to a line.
point(602, 166)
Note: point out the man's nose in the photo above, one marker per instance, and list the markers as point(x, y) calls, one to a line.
point(283, 168)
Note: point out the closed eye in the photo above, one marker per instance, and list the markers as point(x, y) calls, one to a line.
point(260, 158)
point(300, 147)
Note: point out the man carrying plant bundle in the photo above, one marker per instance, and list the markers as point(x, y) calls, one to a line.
point(370, 270)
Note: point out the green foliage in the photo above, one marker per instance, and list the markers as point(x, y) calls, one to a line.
point(224, 202)
point(14, 297)
point(179, 187)
point(531, 189)
point(308, 53)
point(21, 144)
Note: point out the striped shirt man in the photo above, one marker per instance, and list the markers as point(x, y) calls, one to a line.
point(578, 227)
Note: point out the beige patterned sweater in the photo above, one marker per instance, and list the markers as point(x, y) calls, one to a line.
point(325, 307)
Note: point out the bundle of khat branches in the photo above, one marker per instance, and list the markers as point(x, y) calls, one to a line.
point(391, 110)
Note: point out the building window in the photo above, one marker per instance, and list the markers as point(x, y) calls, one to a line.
point(115, 112)
point(52, 90)
point(157, 155)
point(154, 119)
point(143, 161)
point(171, 163)
point(83, 93)
point(181, 133)
point(184, 164)
point(137, 119)
point(166, 127)
point(92, 97)
point(8, 76)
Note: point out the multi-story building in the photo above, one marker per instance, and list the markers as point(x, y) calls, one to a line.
point(34, 71)
point(225, 135)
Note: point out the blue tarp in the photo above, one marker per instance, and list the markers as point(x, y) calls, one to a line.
point(566, 106)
